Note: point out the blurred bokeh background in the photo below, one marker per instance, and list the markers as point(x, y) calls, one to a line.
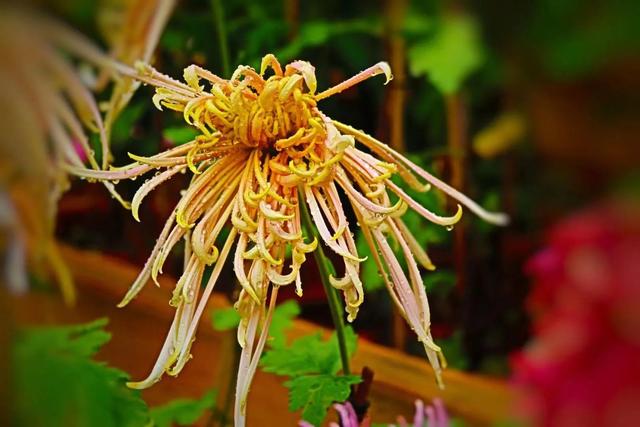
point(531, 108)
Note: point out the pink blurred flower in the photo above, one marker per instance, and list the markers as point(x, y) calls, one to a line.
point(80, 151)
point(582, 367)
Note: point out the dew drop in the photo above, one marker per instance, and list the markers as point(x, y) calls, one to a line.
point(449, 227)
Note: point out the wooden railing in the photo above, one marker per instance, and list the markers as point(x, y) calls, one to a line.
point(138, 332)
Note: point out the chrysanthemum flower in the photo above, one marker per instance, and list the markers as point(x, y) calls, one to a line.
point(265, 149)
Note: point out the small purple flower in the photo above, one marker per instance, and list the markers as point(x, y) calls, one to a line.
point(434, 415)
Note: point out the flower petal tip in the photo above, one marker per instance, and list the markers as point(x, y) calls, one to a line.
point(502, 219)
point(386, 69)
point(125, 301)
point(139, 385)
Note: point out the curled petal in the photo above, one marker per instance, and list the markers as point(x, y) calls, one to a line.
point(276, 228)
point(269, 60)
point(282, 279)
point(383, 149)
point(436, 219)
point(307, 247)
point(323, 230)
point(379, 68)
point(191, 77)
point(271, 214)
point(148, 186)
point(308, 72)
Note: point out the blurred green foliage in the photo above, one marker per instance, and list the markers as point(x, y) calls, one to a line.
point(575, 39)
point(179, 134)
point(57, 383)
point(224, 319)
point(182, 412)
point(281, 321)
point(319, 33)
point(449, 55)
point(453, 350)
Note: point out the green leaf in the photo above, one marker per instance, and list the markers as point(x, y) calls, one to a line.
point(308, 355)
point(225, 319)
point(299, 358)
point(180, 134)
point(317, 33)
point(313, 363)
point(282, 319)
point(315, 393)
point(183, 412)
point(57, 384)
point(449, 56)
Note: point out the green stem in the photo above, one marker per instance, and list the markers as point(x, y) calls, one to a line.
point(221, 29)
point(326, 269)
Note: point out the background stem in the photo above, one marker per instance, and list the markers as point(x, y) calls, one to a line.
point(457, 142)
point(221, 30)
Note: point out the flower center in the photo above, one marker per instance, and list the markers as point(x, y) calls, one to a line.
point(276, 114)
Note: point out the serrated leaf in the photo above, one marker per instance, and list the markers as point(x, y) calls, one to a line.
point(308, 355)
point(315, 393)
point(57, 384)
point(299, 358)
point(450, 56)
point(81, 340)
point(183, 412)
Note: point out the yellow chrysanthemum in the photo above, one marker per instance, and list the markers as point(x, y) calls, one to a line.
point(266, 148)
